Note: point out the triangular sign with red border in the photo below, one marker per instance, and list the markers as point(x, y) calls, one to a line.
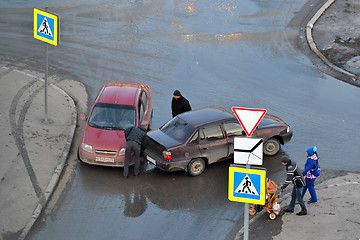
point(249, 118)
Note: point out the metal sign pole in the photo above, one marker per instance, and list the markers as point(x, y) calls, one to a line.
point(46, 82)
point(247, 185)
point(246, 217)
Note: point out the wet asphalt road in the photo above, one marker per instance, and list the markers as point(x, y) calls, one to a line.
point(226, 53)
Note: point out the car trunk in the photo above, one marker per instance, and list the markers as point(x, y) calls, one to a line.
point(159, 142)
point(154, 149)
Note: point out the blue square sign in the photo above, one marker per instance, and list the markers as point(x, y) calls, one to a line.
point(46, 26)
point(247, 185)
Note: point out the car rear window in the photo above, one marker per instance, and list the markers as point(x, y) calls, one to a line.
point(178, 129)
point(112, 116)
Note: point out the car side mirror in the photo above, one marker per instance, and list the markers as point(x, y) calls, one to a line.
point(83, 117)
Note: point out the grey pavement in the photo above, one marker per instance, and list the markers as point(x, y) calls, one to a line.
point(33, 151)
point(33, 154)
point(334, 216)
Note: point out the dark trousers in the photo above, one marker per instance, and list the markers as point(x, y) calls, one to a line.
point(297, 195)
point(134, 147)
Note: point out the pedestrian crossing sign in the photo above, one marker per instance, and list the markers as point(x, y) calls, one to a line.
point(46, 27)
point(247, 185)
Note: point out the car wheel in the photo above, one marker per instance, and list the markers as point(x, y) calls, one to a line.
point(196, 167)
point(271, 147)
point(78, 156)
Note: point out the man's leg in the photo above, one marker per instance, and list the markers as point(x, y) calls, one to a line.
point(293, 199)
point(128, 150)
point(301, 201)
point(137, 149)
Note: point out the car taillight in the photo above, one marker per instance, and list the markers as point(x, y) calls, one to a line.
point(166, 155)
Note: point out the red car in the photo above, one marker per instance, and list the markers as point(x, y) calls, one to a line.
point(117, 106)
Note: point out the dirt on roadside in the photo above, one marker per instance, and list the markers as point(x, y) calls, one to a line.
point(337, 35)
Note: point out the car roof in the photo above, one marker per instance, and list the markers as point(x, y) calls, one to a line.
point(124, 93)
point(206, 115)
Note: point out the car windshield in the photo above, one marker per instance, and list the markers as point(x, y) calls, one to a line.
point(178, 129)
point(112, 116)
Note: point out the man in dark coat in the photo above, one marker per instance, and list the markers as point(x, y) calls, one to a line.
point(295, 177)
point(179, 104)
point(136, 140)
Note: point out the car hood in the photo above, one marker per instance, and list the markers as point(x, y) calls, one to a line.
point(163, 139)
point(271, 121)
point(101, 139)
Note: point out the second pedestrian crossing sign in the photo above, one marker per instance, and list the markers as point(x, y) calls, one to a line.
point(46, 27)
point(247, 185)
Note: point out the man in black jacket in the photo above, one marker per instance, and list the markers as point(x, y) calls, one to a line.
point(295, 177)
point(179, 104)
point(136, 139)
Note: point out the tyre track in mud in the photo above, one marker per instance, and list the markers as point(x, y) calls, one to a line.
point(18, 132)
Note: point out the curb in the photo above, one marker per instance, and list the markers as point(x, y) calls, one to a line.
point(61, 162)
point(240, 233)
point(312, 44)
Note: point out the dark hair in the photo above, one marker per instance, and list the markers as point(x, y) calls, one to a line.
point(285, 159)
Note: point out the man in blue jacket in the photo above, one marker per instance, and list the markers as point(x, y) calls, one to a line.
point(310, 177)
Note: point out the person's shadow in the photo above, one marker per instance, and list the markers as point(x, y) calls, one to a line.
point(135, 204)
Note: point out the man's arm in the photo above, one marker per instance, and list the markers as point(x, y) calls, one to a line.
point(127, 131)
point(289, 177)
point(187, 105)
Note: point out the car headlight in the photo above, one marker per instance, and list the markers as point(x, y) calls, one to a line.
point(285, 131)
point(87, 147)
point(122, 151)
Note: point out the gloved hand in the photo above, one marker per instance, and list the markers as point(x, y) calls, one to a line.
point(282, 188)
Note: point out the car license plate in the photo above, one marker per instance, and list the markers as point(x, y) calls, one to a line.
point(150, 159)
point(105, 159)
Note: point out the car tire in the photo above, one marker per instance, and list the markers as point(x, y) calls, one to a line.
point(271, 147)
point(196, 167)
point(78, 156)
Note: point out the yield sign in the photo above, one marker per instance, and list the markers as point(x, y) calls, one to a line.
point(249, 118)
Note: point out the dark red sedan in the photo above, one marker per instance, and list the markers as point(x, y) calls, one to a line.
point(196, 138)
point(117, 106)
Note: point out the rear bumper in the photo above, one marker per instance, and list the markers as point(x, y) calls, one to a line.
point(166, 165)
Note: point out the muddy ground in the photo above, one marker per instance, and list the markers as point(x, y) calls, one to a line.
point(337, 35)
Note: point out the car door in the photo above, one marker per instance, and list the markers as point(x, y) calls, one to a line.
point(191, 150)
point(213, 144)
point(143, 102)
point(232, 130)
